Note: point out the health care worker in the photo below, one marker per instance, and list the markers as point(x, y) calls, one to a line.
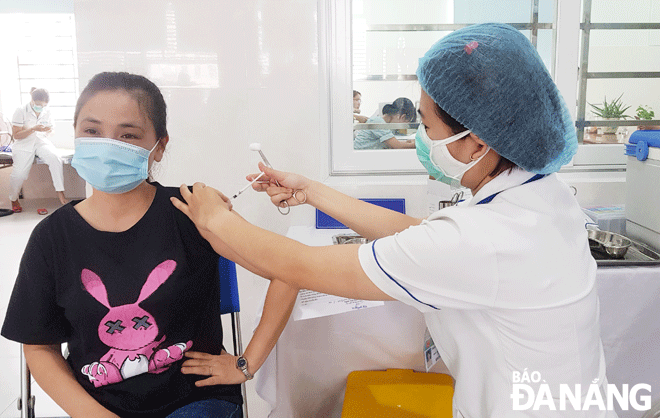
point(31, 126)
point(506, 283)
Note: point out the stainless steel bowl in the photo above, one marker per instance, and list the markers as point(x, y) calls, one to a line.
point(614, 245)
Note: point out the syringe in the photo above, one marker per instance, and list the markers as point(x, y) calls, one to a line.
point(248, 185)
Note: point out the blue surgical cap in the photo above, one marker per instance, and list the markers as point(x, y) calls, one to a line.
point(490, 78)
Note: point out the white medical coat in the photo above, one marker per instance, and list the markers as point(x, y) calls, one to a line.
point(26, 118)
point(505, 287)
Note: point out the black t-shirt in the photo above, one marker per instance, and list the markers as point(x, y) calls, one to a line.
point(128, 304)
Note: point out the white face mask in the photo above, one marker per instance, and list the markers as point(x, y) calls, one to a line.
point(442, 159)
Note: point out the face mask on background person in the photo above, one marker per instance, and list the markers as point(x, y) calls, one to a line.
point(109, 165)
point(436, 158)
point(37, 108)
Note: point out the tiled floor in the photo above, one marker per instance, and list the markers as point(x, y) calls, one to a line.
point(14, 233)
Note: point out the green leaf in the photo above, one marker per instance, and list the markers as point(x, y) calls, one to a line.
point(612, 110)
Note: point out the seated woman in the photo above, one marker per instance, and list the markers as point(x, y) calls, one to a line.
point(402, 110)
point(31, 126)
point(128, 281)
point(357, 102)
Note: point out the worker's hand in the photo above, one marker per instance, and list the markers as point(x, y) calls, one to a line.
point(220, 369)
point(202, 204)
point(289, 184)
point(40, 128)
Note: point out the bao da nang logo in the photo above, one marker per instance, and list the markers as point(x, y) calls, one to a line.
point(530, 392)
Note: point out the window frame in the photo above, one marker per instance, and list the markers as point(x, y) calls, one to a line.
point(343, 160)
point(33, 70)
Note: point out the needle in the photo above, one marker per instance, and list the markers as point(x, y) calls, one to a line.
point(248, 185)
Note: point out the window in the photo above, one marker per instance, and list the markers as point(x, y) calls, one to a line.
point(374, 46)
point(47, 58)
point(42, 54)
point(619, 58)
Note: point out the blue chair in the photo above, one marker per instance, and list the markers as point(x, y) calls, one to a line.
point(229, 304)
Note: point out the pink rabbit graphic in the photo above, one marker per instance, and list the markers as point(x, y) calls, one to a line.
point(131, 333)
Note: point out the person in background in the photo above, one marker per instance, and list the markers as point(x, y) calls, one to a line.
point(31, 126)
point(402, 110)
point(357, 102)
point(128, 282)
point(506, 283)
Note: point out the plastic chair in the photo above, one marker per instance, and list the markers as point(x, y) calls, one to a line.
point(231, 305)
point(228, 305)
point(395, 393)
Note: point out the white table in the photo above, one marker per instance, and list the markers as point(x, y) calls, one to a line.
point(305, 375)
point(630, 326)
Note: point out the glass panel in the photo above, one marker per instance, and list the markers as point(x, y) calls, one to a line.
point(387, 39)
point(633, 92)
point(546, 11)
point(623, 11)
point(376, 93)
point(45, 57)
point(480, 11)
point(404, 11)
point(51, 71)
point(544, 46)
point(53, 43)
point(624, 50)
point(50, 84)
point(388, 53)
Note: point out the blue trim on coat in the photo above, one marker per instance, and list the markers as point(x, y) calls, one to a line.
point(373, 250)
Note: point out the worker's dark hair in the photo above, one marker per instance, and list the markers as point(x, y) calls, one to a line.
point(145, 92)
point(40, 94)
point(401, 106)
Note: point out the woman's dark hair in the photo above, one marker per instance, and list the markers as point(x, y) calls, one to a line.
point(40, 94)
point(355, 93)
point(401, 106)
point(145, 92)
point(457, 127)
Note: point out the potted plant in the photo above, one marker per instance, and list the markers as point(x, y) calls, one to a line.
point(613, 110)
point(646, 113)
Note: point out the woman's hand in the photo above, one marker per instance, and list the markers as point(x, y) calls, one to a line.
point(289, 185)
point(203, 204)
point(221, 369)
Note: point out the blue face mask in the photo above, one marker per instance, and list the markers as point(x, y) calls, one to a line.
point(37, 109)
point(109, 165)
